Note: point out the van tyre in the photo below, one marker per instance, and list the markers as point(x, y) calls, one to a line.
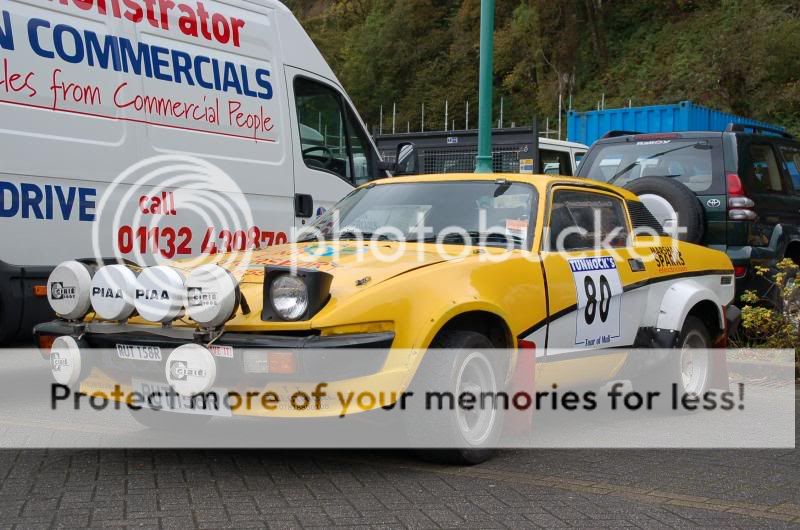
point(683, 201)
point(458, 361)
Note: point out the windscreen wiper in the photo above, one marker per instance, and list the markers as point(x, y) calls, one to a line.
point(698, 145)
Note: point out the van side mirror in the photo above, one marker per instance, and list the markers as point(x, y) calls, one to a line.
point(407, 160)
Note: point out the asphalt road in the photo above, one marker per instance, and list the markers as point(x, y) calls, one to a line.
point(389, 489)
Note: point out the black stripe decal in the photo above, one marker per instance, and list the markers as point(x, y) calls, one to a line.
point(638, 285)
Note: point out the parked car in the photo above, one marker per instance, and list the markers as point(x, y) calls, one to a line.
point(736, 191)
point(98, 93)
point(561, 270)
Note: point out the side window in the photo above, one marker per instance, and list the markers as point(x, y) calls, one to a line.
point(363, 170)
point(582, 220)
point(763, 172)
point(331, 138)
point(556, 162)
point(791, 157)
point(578, 157)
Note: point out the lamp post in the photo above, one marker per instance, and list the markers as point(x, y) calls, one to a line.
point(483, 162)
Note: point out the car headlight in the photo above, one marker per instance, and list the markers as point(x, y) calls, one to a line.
point(160, 294)
point(289, 296)
point(112, 292)
point(212, 295)
point(294, 294)
point(68, 290)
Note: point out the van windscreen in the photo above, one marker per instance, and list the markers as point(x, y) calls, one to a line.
point(694, 162)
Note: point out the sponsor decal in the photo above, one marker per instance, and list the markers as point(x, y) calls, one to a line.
point(106, 292)
point(181, 371)
point(58, 291)
point(328, 251)
point(221, 351)
point(599, 294)
point(199, 298)
point(58, 362)
point(151, 294)
point(668, 259)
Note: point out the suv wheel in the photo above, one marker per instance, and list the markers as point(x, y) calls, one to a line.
point(673, 205)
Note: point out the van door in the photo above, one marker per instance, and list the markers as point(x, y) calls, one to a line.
point(332, 152)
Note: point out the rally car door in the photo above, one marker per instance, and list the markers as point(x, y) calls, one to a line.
point(588, 262)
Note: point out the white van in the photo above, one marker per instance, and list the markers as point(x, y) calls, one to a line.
point(122, 122)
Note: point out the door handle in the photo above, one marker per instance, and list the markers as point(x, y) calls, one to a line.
point(303, 205)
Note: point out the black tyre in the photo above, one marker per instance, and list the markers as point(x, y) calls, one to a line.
point(459, 361)
point(686, 370)
point(168, 421)
point(684, 203)
point(692, 373)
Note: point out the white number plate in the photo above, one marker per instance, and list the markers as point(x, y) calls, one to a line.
point(161, 396)
point(138, 352)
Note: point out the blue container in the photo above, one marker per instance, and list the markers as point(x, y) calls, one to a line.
point(587, 127)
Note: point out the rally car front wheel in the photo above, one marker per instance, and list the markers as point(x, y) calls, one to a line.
point(459, 363)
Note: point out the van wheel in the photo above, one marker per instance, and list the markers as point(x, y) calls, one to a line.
point(168, 421)
point(458, 362)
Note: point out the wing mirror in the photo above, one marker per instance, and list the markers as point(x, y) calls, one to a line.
point(407, 160)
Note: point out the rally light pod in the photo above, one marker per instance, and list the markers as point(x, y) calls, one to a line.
point(112, 291)
point(159, 294)
point(191, 370)
point(212, 295)
point(65, 361)
point(68, 290)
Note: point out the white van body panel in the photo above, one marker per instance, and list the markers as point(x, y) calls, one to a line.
point(137, 135)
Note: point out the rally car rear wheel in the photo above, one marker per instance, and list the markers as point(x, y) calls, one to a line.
point(459, 362)
point(694, 358)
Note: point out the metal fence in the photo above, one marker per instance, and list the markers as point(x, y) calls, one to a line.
point(455, 151)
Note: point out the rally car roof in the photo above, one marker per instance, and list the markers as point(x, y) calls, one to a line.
point(541, 182)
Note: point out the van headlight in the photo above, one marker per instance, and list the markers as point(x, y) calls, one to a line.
point(294, 295)
point(212, 295)
point(289, 296)
point(68, 289)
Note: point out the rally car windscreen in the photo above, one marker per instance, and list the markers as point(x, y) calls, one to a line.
point(485, 212)
point(694, 162)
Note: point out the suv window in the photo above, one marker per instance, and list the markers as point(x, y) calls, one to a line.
point(763, 173)
point(694, 162)
point(791, 156)
point(581, 220)
point(330, 137)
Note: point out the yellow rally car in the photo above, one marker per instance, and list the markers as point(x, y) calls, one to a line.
point(569, 269)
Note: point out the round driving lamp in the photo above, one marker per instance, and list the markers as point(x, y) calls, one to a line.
point(289, 296)
point(112, 292)
point(68, 290)
point(212, 295)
